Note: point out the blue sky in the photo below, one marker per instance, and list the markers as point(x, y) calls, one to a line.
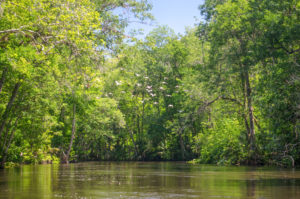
point(177, 14)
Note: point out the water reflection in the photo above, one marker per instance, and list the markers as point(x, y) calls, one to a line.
point(147, 180)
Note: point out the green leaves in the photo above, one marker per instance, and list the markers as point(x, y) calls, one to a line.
point(211, 94)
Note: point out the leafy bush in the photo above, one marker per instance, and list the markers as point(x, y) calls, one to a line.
point(221, 144)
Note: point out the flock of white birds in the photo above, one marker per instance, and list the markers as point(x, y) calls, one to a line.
point(148, 89)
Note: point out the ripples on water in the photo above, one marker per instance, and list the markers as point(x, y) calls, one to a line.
point(148, 180)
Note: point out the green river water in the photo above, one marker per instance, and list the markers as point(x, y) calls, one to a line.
point(148, 180)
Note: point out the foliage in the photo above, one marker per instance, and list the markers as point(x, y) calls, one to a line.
point(74, 87)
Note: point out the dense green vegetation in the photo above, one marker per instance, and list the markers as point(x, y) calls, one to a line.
point(73, 87)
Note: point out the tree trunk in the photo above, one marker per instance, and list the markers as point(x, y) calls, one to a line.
point(203, 52)
point(244, 114)
point(182, 147)
point(250, 112)
point(132, 139)
point(247, 126)
point(67, 155)
point(181, 142)
point(142, 125)
point(3, 78)
point(6, 135)
point(138, 125)
point(4, 155)
point(135, 147)
point(9, 106)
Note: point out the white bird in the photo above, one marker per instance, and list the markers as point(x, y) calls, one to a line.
point(155, 103)
point(137, 74)
point(170, 105)
point(168, 95)
point(118, 83)
point(161, 88)
point(138, 84)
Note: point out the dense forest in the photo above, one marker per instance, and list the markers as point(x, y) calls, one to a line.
point(74, 87)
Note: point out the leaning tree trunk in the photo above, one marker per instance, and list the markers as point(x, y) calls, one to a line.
point(3, 78)
point(9, 107)
point(4, 153)
point(5, 138)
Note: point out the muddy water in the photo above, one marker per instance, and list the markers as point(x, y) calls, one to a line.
point(148, 180)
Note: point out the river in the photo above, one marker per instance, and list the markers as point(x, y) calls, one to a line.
point(148, 180)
